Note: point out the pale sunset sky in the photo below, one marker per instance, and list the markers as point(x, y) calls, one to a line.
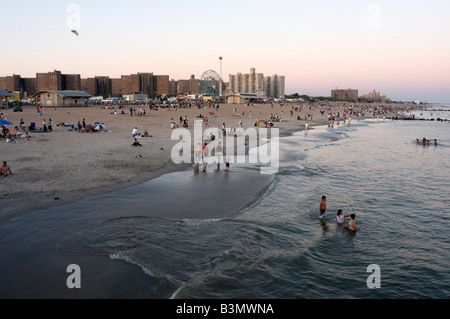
point(399, 48)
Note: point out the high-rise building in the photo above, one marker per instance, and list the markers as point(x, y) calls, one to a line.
point(100, 85)
point(191, 86)
point(103, 86)
point(88, 85)
point(28, 86)
point(71, 82)
point(373, 96)
point(10, 83)
point(173, 87)
point(162, 86)
point(256, 83)
point(275, 86)
point(116, 87)
point(49, 81)
point(138, 83)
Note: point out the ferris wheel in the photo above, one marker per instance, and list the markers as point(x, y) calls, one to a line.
point(210, 75)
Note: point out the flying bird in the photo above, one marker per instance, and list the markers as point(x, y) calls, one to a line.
point(75, 32)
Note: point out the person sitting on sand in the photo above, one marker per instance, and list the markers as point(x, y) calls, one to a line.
point(136, 143)
point(5, 169)
point(352, 224)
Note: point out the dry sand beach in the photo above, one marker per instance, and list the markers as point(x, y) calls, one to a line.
point(64, 166)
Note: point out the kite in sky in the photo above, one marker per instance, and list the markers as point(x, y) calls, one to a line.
point(75, 32)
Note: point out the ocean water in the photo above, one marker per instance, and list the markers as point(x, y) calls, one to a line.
point(277, 247)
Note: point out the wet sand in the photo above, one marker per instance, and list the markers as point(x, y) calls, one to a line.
point(63, 166)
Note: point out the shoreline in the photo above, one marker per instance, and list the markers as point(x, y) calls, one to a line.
point(31, 196)
point(105, 276)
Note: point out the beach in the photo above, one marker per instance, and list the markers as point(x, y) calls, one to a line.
point(140, 227)
point(64, 166)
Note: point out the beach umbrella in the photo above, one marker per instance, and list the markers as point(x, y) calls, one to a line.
point(99, 126)
point(4, 122)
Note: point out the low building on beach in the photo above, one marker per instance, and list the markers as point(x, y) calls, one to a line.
point(49, 98)
point(244, 98)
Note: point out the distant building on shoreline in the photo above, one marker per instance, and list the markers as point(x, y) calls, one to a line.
point(191, 86)
point(257, 83)
point(144, 83)
point(57, 81)
point(374, 96)
point(345, 95)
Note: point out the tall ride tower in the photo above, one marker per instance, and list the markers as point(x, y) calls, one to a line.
point(220, 82)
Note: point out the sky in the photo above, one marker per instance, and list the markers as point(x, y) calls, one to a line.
point(399, 48)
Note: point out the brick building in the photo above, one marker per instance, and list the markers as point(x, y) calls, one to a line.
point(162, 86)
point(345, 95)
point(49, 81)
point(71, 82)
point(191, 86)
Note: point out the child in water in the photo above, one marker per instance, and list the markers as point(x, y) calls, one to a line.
point(352, 224)
point(340, 220)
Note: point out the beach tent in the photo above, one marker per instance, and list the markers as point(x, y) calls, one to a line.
point(99, 126)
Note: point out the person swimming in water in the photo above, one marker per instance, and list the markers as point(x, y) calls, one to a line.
point(351, 225)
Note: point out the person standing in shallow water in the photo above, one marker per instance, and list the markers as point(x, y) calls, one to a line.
point(352, 224)
point(205, 156)
point(323, 206)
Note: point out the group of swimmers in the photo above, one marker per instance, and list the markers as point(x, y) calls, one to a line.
point(340, 217)
point(425, 141)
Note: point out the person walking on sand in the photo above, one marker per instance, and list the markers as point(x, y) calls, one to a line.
point(5, 169)
point(323, 206)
